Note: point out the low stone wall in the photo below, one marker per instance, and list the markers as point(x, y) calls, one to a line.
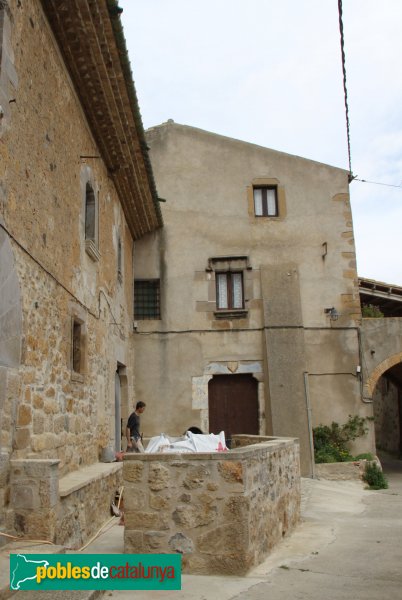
point(66, 511)
point(222, 511)
point(85, 498)
point(343, 471)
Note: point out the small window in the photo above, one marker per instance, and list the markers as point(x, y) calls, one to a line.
point(147, 299)
point(119, 261)
point(90, 214)
point(265, 201)
point(229, 291)
point(77, 347)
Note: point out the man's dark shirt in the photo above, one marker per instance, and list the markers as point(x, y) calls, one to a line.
point(133, 425)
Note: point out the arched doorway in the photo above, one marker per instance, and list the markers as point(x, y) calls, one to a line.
point(387, 410)
point(233, 404)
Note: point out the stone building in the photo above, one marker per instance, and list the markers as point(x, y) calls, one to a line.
point(76, 190)
point(247, 302)
point(381, 349)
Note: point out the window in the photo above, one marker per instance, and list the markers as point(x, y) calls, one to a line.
point(119, 261)
point(147, 299)
point(90, 213)
point(265, 201)
point(229, 290)
point(91, 223)
point(76, 347)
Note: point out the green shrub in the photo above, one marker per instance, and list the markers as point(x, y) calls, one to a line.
point(374, 477)
point(371, 311)
point(330, 442)
point(365, 456)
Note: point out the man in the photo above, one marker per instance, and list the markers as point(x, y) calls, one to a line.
point(134, 443)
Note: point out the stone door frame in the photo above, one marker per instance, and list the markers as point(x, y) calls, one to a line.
point(199, 400)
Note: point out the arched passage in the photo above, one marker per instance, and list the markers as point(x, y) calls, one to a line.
point(387, 411)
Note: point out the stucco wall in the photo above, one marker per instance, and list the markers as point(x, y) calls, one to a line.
point(222, 511)
point(206, 181)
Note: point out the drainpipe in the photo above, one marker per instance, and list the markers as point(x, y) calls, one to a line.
point(362, 361)
point(309, 421)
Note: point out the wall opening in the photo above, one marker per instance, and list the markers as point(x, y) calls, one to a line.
point(387, 410)
point(233, 405)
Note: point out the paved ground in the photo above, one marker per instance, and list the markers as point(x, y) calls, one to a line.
point(348, 546)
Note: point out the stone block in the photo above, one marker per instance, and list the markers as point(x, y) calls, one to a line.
point(25, 496)
point(158, 477)
point(236, 508)
point(134, 499)
point(4, 468)
point(181, 543)
point(195, 477)
point(133, 541)
point(231, 471)
point(190, 516)
point(158, 501)
point(154, 541)
point(224, 540)
point(22, 439)
point(141, 520)
point(24, 415)
point(133, 470)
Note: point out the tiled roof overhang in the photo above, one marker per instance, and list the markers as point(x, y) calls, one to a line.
point(388, 297)
point(91, 39)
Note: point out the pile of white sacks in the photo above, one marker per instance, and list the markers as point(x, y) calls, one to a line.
point(189, 442)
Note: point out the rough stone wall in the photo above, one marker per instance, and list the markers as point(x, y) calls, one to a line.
point(82, 513)
point(223, 512)
point(48, 411)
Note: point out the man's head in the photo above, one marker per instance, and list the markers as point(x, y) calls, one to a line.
point(140, 407)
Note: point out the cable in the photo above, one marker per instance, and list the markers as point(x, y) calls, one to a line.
point(376, 182)
point(345, 88)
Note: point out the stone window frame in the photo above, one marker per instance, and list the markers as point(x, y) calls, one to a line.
point(90, 192)
point(268, 183)
point(78, 352)
point(229, 264)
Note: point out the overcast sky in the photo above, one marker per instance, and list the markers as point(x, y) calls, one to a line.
point(270, 72)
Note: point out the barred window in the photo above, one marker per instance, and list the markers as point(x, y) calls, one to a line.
point(147, 299)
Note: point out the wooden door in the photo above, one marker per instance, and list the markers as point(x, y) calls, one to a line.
point(233, 404)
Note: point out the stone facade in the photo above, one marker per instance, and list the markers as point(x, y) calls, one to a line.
point(295, 267)
point(223, 512)
point(68, 220)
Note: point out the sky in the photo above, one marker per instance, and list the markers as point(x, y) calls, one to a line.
point(269, 72)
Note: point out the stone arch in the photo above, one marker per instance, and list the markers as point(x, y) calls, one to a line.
point(379, 370)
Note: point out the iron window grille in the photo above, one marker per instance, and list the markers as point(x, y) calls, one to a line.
point(147, 299)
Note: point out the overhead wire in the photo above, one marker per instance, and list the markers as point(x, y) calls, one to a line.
point(345, 87)
point(377, 182)
point(351, 176)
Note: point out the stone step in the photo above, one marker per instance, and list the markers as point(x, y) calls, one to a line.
point(23, 547)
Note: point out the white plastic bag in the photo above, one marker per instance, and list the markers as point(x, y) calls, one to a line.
point(190, 442)
point(208, 442)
